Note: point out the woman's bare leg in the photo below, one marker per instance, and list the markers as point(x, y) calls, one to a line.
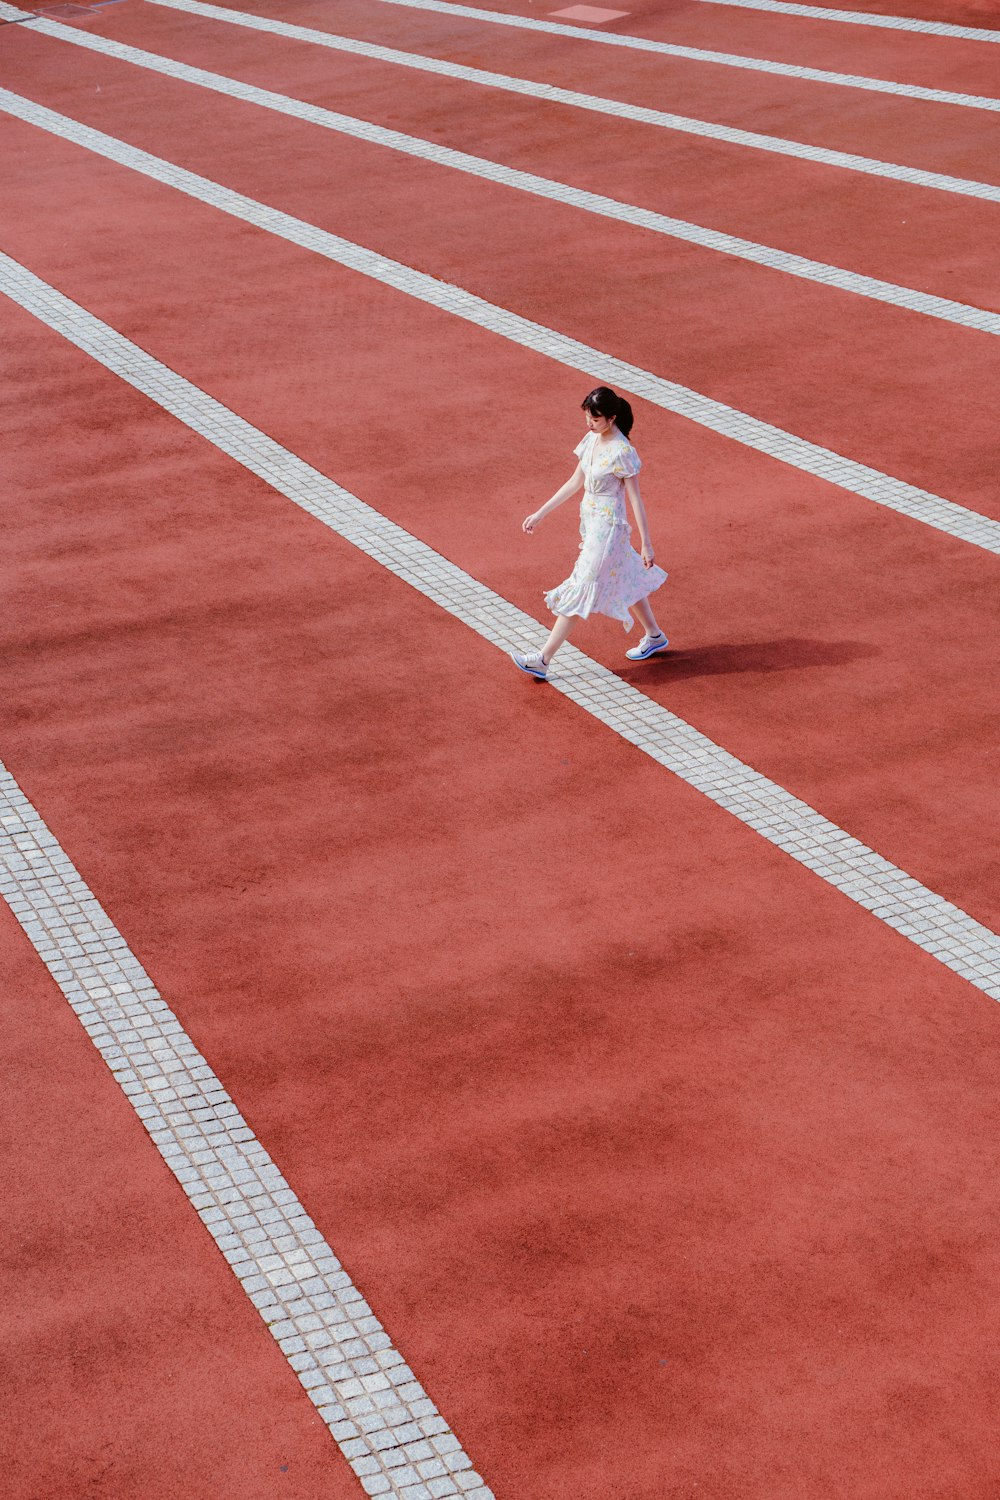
point(560, 630)
point(644, 614)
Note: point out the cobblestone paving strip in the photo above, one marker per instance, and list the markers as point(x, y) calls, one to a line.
point(859, 479)
point(894, 898)
point(385, 1424)
point(862, 18)
point(555, 95)
point(783, 261)
point(699, 54)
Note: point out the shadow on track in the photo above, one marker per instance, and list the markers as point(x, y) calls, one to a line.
point(791, 655)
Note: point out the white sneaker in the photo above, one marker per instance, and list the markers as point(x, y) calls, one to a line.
point(530, 662)
point(648, 646)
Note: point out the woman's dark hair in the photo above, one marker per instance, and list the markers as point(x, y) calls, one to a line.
point(604, 403)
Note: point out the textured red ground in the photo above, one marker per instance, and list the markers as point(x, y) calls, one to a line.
point(921, 238)
point(873, 52)
point(980, 13)
point(801, 609)
point(133, 1363)
point(667, 1167)
point(570, 1104)
point(921, 134)
point(901, 410)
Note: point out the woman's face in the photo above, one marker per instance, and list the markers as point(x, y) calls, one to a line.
point(598, 424)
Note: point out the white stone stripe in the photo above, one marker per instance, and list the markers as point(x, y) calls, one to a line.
point(387, 1427)
point(700, 54)
point(871, 484)
point(552, 94)
point(862, 18)
point(895, 898)
point(558, 192)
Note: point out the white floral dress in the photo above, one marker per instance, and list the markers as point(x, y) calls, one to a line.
point(609, 573)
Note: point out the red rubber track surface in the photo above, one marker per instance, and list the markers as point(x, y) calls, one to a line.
point(980, 13)
point(133, 1363)
point(760, 551)
point(557, 1134)
point(873, 381)
point(931, 240)
point(838, 46)
point(917, 133)
point(669, 1169)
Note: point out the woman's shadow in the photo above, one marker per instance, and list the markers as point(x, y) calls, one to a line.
point(790, 655)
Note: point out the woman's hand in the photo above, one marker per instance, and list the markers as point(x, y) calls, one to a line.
point(529, 523)
point(647, 554)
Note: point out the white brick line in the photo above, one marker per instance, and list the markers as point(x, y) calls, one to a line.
point(861, 18)
point(782, 261)
point(919, 505)
point(550, 93)
point(699, 54)
point(385, 1424)
point(864, 877)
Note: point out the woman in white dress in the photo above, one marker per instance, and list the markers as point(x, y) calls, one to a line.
point(610, 577)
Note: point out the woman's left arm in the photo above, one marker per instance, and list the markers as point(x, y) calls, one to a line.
point(639, 511)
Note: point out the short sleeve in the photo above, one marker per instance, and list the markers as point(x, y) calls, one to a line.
point(581, 446)
point(626, 462)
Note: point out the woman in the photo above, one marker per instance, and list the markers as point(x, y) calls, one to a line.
point(609, 577)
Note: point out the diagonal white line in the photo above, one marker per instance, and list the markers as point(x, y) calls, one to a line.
point(783, 261)
point(920, 505)
point(385, 1424)
point(862, 18)
point(550, 93)
point(699, 54)
point(953, 937)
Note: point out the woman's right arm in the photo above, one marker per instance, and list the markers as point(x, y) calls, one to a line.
point(569, 488)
